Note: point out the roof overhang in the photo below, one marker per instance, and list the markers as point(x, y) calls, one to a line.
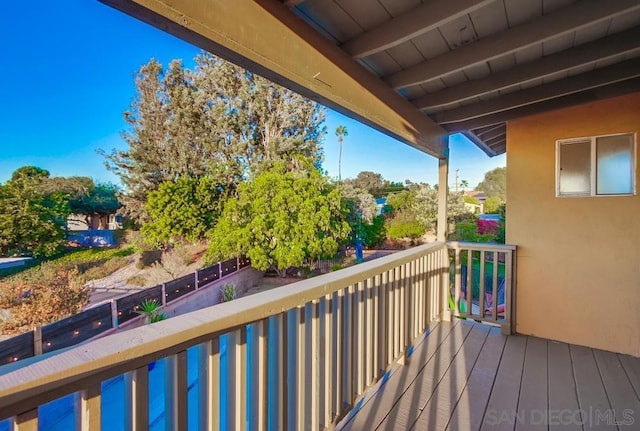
point(419, 70)
point(267, 38)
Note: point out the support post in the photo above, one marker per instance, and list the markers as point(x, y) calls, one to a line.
point(443, 173)
point(441, 234)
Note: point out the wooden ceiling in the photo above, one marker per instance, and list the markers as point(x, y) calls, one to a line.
point(473, 65)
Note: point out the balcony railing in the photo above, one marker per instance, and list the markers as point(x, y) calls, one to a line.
point(483, 283)
point(297, 357)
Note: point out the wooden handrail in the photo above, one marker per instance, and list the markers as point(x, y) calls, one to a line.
point(82, 367)
point(487, 252)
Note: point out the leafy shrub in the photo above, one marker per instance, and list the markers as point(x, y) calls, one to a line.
point(228, 292)
point(148, 258)
point(51, 295)
point(150, 309)
point(137, 280)
point(404, 225)
point(375, 233)
point(336, 267)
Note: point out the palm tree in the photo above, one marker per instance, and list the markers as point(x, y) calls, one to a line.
point(463, 185)
point(340, 132)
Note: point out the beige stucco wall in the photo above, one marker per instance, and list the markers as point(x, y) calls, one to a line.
point(578, 258)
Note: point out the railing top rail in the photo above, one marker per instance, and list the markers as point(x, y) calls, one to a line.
point(462, 245)
point(71, 370)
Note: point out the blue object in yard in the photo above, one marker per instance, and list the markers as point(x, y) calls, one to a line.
point(359, 251)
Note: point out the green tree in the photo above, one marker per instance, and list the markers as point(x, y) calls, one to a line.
point(183, 210)
point(369, 181)
point(403, 200)
point(495, 183)
point(217, 120)
point(341, 132)
point(360, 206)
point(426, 206)
point(404, 224)
point(492, 205)
point(32, 218)
point(463, 185)
point(280, 219)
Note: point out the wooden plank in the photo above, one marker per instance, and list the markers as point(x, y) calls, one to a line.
point(443, 178)
point(599, 93)
point(427, 364)
point(436, 414)
point(338, 369)
point(313, 373)
point(562, 388)
point(15, 348)
point(522, 36)
point(588, 53)
point(209, 375)
point(283, 373)
point(632, 368)
point(624, 401)
point(261, 364)
point(562, 87)
point(89, 410)
point(533, 402)
point(410, 24)
point(27, 421)
point(300, 381)
point(470, 409)
point(175, 392)
point(503, 402)
point(403, 413)
point(327, 328)
point(137, 404)
point(592, 396)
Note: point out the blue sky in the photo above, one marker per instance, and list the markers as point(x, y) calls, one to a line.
point(67, 76)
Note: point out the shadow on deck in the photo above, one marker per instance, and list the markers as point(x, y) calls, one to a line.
point(467, 376)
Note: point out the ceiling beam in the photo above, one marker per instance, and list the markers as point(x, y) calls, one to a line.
point(547, 27)
point(588, 96)
point(494, 141)
point(482, 130)
point(499, 131)
point(410, 24)
point(479, 143)
point(267, 38)
point(588, 53)
point(562, 87)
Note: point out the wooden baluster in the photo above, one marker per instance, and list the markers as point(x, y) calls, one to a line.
point(209, 375)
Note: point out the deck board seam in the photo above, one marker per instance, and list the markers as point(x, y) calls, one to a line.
point(524, 358)
point(604, 386)
point(466, 383)
point(421, 370)
point(493, 383)
point(624, 369)
point(575, 385)
point(382, 387)
point(453, 407)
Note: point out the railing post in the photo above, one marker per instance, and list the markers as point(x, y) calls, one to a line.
point(506, 328)
point(163, 290)
point(37, 340)
point(195, 280)
point(444, 285)
point(114, 314)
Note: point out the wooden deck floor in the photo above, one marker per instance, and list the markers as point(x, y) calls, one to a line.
point(467, 376)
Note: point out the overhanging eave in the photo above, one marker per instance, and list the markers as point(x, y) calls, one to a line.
point(267, 38)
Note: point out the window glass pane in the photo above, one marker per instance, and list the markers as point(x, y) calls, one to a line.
point(575, 168)
point(614, 165)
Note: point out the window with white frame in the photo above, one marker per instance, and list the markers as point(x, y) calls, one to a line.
point(596, 166)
